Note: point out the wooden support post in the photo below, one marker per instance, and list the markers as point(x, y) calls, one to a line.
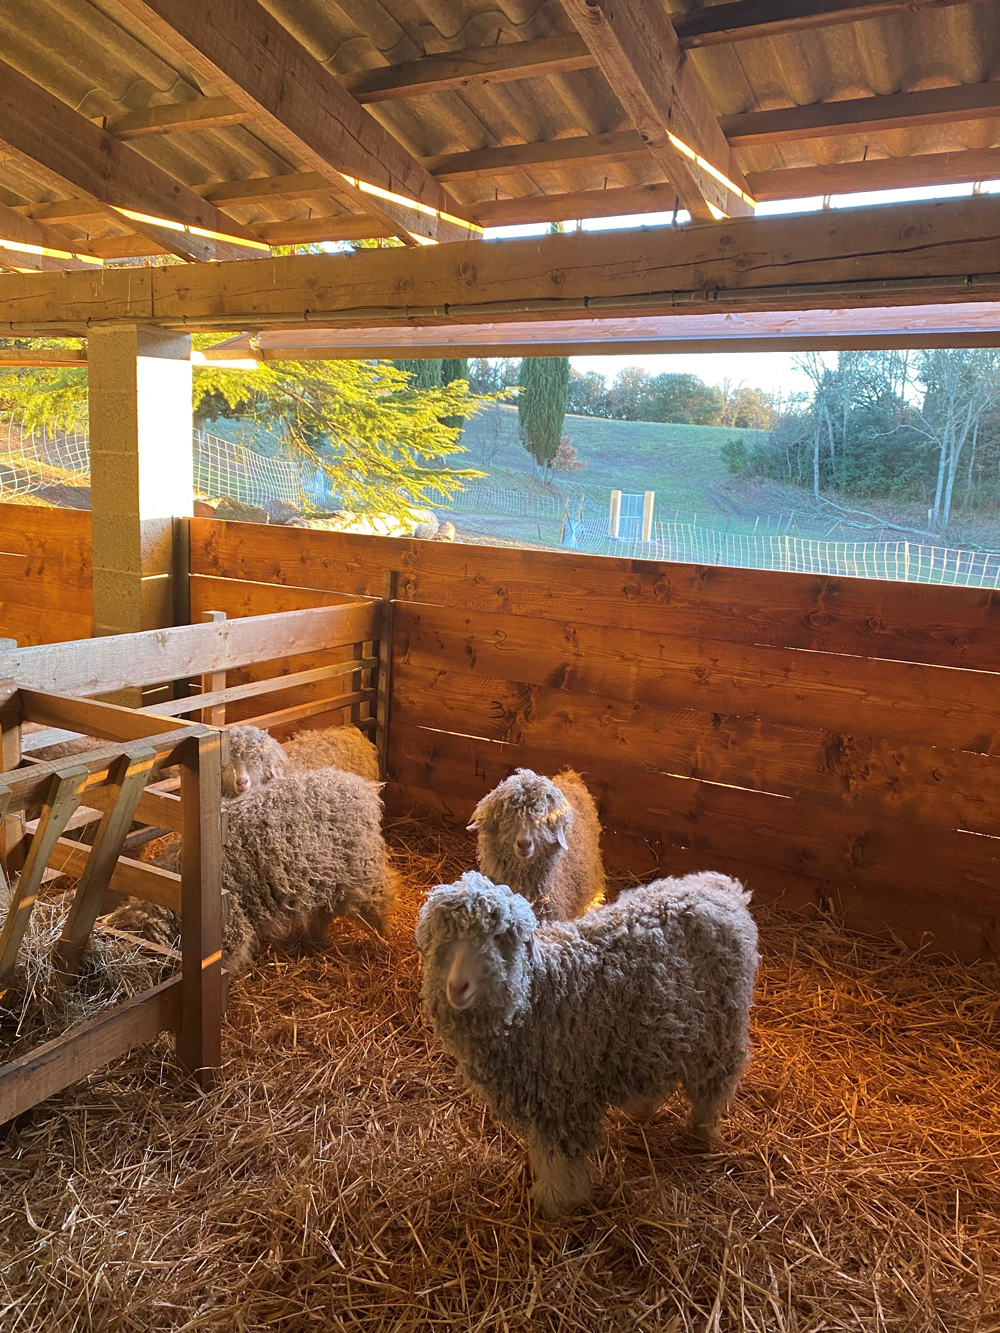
point(199, 1044)
point(129, 775)
point(11, 826)
point(142, 475)
point(384, 671)
point(212, 681)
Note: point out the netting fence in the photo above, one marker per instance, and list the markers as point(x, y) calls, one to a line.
point(32, 461)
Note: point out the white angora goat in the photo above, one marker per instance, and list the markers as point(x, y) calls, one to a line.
point(543, 838)
point(555, 1022)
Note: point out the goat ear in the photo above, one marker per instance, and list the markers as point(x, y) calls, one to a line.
point(561, 838)
point(472, 827)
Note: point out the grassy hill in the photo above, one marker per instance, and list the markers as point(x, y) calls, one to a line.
point(683, 464)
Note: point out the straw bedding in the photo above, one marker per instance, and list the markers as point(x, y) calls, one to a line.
point(341, 1178)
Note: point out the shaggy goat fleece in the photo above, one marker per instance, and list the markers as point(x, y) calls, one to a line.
point(559, 881)
point(618, 1007)
point(254, 758)
point(300, 850)
point(333, 747)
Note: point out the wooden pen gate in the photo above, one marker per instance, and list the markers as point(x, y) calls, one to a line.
point(319, 664)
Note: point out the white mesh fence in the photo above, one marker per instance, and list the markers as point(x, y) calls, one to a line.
point(33, 460)
point(30, 460)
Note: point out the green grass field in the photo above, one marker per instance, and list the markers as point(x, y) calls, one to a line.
point(683, 464)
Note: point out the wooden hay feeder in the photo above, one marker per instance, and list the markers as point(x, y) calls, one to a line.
point(301, 659)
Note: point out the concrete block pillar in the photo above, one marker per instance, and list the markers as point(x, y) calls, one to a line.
point(141, 471)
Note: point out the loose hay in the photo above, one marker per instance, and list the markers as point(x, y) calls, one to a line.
point(341, 1178)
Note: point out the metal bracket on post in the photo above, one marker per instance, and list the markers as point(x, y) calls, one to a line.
point(384, 672)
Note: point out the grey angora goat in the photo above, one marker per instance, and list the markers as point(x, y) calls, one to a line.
point(333, 747)
point(300, 850)
point(555, 1022)
point(254, 758)
point(543, 838)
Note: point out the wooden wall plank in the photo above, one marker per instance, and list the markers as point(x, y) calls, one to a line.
point(866, 617)
point(905, 702)
point(898, 865)
point(45, 574)
point(945, 788)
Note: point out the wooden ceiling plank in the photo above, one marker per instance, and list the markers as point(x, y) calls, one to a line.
point(864, 115)
point(748, 20)
point(248, 55)
point(911, 254)
point(17, 230)
point(68, 153)
point(202, 113)
point(886, 173)
point(292, 185)
point(622, 201)
point(662, 93)
point(471, 67)
point(489, 162)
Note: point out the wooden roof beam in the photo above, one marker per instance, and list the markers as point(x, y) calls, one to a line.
point(201, 113)
point(623, 201)
point(747, 20)
point(639, 53)
point(906, 255)
point(68, 153)
point(490, 162)
point(470, 67)
point(26, 244)
point(885, 173)
point(247, 54)
point(864, 115)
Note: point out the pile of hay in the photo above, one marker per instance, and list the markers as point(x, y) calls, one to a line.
point(40, 1002)
point(341, 1178)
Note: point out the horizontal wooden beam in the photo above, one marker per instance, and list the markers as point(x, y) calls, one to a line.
point(255, 61)
point(617, 202)
point(909, 254)
point(487, 162)
point(470, 67)
point(885, 173)
point(748, 20)
point(43, 356)
point(202, 113)
point(864, 115)
point(310, 231)
point(972, 325)
point(67, 152)
point(292, 185)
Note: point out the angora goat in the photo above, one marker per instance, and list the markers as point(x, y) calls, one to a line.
point(333, 747)
point(254, 758)
point(543, 838)
point(300, 850)
point(554, 1022)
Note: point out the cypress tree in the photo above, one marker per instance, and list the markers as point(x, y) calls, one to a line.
point(541, 405)
point(454, 368)
point(426, 373)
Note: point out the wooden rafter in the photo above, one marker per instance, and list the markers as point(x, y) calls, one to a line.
point(489, 162)
point(70, 154)
point(202, 113)
point(906, 255)
point(864, 115)
point(470, 67)
point(886, 173)
point(638, 50)
point(25, 244)
point(621, 202)
point(746, 20)
point(247, 54)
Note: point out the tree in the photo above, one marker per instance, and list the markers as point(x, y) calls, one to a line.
point(587, 394)
point(541, 406)
point(380, 441)
point(628, 395)
point(684, 399)
point(454, 368)
point(426, 372)
point(493, 374)
point(962, 384)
